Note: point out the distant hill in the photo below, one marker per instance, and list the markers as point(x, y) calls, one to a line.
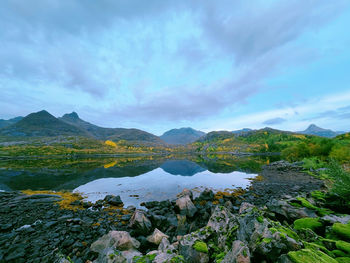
point(40, 124)
point(242, 131)
point(5, 123)
point(181, 136)
point(114, 134)
point(216, 135)
point(315, 130)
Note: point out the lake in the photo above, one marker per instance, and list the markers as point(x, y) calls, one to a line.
point(136, 179)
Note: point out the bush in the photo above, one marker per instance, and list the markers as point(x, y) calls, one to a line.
point(341, 181)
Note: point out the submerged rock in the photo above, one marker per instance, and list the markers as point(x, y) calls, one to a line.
point(113, 200)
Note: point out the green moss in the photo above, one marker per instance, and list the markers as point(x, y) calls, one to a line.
point(319, 195)
point(284, 231)
point(306, 203)
point(312, 223)
point(260, 219)
point(315, 246)
point(310, 256)
point(342, 245)
point(342, 230)
point(177, 259)
point(343, 260)
point(339, 253)
point(267, 240)
point(200, 246)
point(144, 259)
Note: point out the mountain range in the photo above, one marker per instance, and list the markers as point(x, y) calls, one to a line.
point(43, 124)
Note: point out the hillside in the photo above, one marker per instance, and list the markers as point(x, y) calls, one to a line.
point(318, 131)
point(114, 134)
point(41, 124)
point(6, 123)
point(181, 136)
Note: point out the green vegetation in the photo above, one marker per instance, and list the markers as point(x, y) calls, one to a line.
point(342, 230)
point(310, 256)
point(200, 246)
point(312, 223)
point(344, 246)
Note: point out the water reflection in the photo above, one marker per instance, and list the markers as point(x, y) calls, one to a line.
point(152, 177)
point(161, 185)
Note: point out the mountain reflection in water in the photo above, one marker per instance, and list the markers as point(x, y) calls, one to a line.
point(135, 179)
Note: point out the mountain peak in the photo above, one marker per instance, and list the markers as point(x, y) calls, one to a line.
point(313, 129)
point(72, 115)
point(181, 136)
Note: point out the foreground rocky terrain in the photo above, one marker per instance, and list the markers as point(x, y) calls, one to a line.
point(280, 218)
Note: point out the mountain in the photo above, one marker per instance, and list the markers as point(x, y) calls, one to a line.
point(242, 131)
point(5, 123)
point(114, 134)
point(40, 124)
point(181, 136)
point(216, 135)
point(315, 130)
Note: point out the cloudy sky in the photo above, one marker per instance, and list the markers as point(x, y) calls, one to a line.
point(161, 64)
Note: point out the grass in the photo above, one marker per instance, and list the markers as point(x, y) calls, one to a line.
point(67, 198)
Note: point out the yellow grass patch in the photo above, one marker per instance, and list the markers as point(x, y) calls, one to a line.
point(67, 198)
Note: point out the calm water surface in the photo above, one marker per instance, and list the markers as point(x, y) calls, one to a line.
point(135, 179)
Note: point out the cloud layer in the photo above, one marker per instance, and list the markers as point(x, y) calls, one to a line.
point(144, 62)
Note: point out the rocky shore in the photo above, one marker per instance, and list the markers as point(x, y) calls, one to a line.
point(259, 224)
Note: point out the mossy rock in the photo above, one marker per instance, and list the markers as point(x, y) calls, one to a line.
point(315, 246)
point(200, 246)
point(339, 253)
point(312, 223)
point(344, 246)
point(342, 230)
point(343, 260)
point(310, 256)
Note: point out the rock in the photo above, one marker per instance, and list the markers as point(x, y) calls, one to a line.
point(245, 208)
point(289, 212)
point(130, 254)
point(193, 248)
point(206, 195)
point(157, 237)
point(113, 200)
point(181, 224)
point(186, 192)
point(120, 240)
point(185, 206)
point(222, 221)
point(238, 254)
point(344, 219)
point(140, 222)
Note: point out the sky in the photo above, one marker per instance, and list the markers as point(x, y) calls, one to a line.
point(161, 64)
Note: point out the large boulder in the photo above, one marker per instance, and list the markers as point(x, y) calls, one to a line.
point(193, 246)
point(140, 222)
point(184, 203)
point(156, 237)
point(283, 209)
point(115, 247)
point(223, 223)
point(264, 237)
